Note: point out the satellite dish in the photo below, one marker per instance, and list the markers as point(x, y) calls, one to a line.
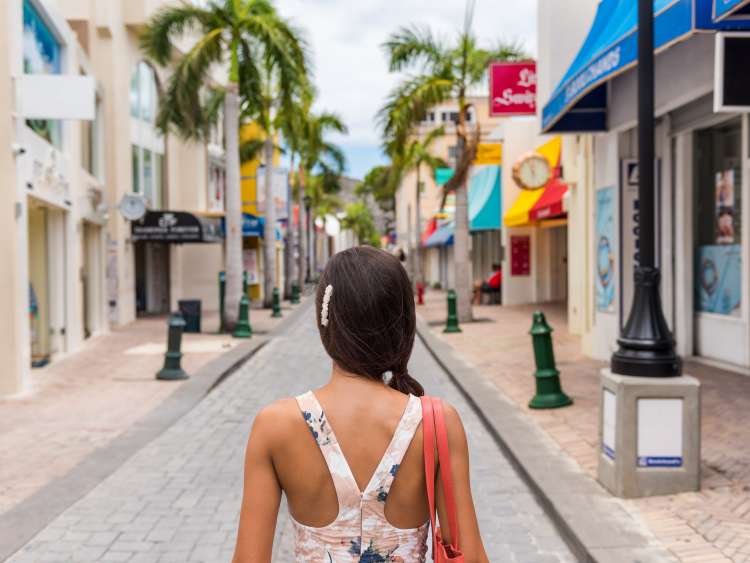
point(132, 207)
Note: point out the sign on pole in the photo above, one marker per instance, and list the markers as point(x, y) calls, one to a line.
point(513, 88)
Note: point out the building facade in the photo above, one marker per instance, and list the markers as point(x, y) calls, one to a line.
point(702, 170)
point(80, 102)
point(432, 232)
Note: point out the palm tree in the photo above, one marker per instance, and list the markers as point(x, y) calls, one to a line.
point(415, 155)
point(442, 71)
point(316, 154)
point(229, 33)
point(358, 219)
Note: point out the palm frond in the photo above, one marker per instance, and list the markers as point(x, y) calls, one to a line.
point(168, 24)
point(181, 106)
point(412, 46)
point(250, 150)
point(408, 103)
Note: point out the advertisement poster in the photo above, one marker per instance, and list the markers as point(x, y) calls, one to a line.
point(250, 261)
point(659, 432)
point(725, 210)
point(513, 88)
point(605, 250)
point(719, 279)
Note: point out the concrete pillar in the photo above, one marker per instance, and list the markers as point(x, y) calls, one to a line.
point(649, 432)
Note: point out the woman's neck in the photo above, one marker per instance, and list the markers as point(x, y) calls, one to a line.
point(343, 378)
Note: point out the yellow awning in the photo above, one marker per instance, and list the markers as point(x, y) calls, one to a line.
point(518, 214)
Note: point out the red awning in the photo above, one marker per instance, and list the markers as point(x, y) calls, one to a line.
point(429, 229)
point(550, 204)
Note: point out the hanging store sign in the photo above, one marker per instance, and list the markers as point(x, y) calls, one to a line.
point(489, 153)
point(512, 88)
point(176, 227)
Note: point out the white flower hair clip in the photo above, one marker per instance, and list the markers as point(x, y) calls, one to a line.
point(324, 306)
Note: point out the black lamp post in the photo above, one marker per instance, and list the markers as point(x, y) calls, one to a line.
point(647, 347)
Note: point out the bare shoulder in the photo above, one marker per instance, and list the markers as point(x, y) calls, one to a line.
point(454, 426)
point(276, 419)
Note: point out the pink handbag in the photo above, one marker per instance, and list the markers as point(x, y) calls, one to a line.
point(433, 428)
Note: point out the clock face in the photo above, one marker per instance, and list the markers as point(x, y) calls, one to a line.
point(532, 172)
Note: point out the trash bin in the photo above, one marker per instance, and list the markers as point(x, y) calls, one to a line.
point(190, 309)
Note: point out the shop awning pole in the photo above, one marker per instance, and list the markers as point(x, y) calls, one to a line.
point(647, 347)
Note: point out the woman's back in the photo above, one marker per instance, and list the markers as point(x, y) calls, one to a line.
point(363, 433)
point(349, 456)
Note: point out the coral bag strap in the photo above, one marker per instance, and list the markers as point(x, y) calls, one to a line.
point(434, 430)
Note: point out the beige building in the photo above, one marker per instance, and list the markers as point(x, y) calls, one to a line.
point(79, 103)
point(437, 259)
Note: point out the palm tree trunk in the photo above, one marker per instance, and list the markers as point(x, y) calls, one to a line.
point(461, 259)
point(269, 242)
point(302, 230)
point(233, 256)
point(418, 221)
point(289, 240)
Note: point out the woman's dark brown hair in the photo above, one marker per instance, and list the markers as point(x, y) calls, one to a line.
point(371, 318)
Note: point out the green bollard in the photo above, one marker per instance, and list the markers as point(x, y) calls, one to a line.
point(549, 394)
point(172, 369)
point(295, 293)
point(222, 299)
point(276, 304)
point(243, 328)
point(451, 324)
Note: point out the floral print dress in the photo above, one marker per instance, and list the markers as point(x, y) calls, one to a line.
point(361, 532)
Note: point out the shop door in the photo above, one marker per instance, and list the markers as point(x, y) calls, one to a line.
point(718, 239)
point(152, 278)
point(559, 263)
point(39, 301)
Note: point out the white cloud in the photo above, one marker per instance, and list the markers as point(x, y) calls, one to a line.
point(350, 67)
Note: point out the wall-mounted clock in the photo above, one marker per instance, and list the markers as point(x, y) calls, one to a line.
point(532, 171)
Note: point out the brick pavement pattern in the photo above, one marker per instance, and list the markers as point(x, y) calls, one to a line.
point(178, 498)
point(712, 525)
point(109, 384)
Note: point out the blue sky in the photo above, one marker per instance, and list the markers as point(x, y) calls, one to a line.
point(349, 64)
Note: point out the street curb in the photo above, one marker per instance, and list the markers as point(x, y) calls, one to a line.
point(596, 526)
point(21, 523)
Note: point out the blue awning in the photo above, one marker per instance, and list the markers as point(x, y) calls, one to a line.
point(724, 9)
point(252, 226)
point(442, 237)
point(579, 103)
point(485, 208)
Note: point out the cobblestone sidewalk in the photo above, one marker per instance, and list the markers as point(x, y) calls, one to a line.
point(712, 525)
point(178, 498)
point(109, 385)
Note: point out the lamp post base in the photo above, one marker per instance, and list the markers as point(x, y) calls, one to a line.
point(646, 346)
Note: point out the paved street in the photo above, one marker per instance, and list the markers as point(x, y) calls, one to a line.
point(178, 498)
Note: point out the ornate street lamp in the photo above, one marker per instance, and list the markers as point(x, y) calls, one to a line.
point(646, 346)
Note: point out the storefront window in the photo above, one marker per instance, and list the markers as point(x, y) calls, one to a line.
point(148, 147)
point(143, 93)
point(718, 219)
point(42, 54)
point(136, 168)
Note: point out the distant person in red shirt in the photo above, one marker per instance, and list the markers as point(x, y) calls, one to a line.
point(496, 277)
point(493, 284)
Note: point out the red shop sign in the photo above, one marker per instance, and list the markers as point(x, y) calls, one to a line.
point(520, 256)
point(513, 88)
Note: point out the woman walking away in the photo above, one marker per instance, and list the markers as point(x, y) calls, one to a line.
point(362, 459)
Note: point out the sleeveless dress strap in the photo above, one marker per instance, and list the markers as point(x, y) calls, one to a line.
point(347, 490)
point(382, 479)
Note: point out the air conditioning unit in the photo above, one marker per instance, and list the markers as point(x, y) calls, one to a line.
point(731, 76)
